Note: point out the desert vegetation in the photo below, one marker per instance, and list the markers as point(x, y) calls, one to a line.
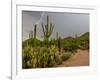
point(50, 52)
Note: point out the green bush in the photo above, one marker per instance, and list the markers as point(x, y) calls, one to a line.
point(70, 45)
point(66, 56)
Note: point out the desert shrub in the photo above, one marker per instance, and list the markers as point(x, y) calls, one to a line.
point(75, 43)
point(84, 43)
point(58, 59)
point(52, 42)
point(70, 45)
point(26, 57)
point(55, 55)
point(51, 56)
point(40, 57)
point(66, 56)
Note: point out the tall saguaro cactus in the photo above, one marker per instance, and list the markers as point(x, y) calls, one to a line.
point(35, 30)
point(35, 26)
point(47, 30)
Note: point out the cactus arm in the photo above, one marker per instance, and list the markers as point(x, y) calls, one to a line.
point(47, 20)
point(46, 30)
point(51, 29)
point(43, 29)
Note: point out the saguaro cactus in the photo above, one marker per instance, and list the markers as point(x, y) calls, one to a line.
point(59, 44)
point(47, 30)
point(35, 30)
point(31, 34)
point(35, 26)
point(57, 35)
point(58, 41)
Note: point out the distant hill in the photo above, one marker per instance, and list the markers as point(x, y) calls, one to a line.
point(85, 35)
point(31, 42)
point(69, 37)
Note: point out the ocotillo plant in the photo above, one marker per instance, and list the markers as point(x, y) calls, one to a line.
point(47, 31)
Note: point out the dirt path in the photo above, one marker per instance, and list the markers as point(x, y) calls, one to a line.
point(81, 58)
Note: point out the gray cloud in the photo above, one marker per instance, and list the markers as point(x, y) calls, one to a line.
point(66, 24)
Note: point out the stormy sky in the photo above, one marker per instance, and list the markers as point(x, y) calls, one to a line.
point(66, 24)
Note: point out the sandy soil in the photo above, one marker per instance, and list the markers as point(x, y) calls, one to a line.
point(81, 58)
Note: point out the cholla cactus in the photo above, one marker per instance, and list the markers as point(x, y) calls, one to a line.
point(47, 30)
